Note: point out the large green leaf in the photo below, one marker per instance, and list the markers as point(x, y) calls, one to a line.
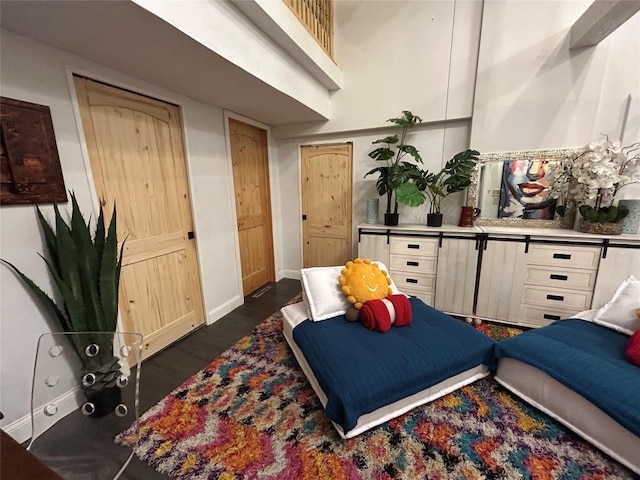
point(409, 194)
point(407, 120)
point(389, 140)
point(411, 150)
point(382, 153)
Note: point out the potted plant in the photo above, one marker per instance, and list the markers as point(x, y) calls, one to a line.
point(454, 177)
point(395, 172)
point(603, 220)
point(593, 175)
point(86, 273)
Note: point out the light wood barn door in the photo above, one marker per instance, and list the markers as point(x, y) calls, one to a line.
point(326, 204)
point(253, 203)
point(137, 159)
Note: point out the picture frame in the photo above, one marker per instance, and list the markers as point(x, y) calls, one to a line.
point(30, 170)
point(488, 192)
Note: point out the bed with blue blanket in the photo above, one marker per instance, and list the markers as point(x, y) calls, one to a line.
point(364, 378)
point(575, 371)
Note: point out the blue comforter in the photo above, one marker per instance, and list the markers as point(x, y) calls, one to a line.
point(360, 370)
point(588, 359)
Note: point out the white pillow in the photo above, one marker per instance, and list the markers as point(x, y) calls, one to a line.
point(323, 294)
point(620, 312)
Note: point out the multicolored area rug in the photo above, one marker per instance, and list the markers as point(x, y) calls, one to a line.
point(251, 414)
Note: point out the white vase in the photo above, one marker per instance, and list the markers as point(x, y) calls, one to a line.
point(373, 205)
point(631, 222)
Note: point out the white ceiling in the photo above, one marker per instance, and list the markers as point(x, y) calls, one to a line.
point(127, 38)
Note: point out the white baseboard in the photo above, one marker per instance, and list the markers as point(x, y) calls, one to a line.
point(68, 402)
point(220, 311)
point(294, 274)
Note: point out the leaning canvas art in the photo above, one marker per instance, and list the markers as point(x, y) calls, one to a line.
point(524, 190)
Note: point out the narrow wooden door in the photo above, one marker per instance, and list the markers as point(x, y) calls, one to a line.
point(137, 159)
point(253, 203)
point(326, 204)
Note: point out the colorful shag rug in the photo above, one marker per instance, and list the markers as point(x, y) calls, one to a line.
point(251, 414)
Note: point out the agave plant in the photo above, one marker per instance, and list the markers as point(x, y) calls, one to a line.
point(86, 273)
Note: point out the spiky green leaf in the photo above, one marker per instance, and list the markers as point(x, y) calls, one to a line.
point(49, 239)
point(45, 300)
point(108, 273)
point(98, 237)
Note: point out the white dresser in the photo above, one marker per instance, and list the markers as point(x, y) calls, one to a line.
point(413, 265)
point(527, 277)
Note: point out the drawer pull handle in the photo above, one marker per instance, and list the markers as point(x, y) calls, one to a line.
point(412, 280)
point(562, 256)
point(553, 276)
point(413, 264)
point(415, 246)
point(551, 317)
point(560, 298)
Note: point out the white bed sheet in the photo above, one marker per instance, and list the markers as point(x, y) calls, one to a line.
point(571, 409)
point(297, 313)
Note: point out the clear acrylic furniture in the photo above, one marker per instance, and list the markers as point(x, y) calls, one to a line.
point(73, 427)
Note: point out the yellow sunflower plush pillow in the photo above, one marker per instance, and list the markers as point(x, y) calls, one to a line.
point(362, 280)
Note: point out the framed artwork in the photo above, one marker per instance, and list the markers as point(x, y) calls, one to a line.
point(30, 170)
point(524, 190)
point(512, 188)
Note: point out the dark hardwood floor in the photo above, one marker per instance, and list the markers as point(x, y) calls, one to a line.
point(78, 447)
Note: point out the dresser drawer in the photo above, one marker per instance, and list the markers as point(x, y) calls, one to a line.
point(413, 281)
point(409, 263)
point(563, 255)
point(557, 298)
point(536, 316)
point(426, 247)
point(426, 297)
point(558, 277)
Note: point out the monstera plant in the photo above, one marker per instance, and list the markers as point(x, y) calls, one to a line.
point(394, 173)
point(86, 273)
point(453, 177)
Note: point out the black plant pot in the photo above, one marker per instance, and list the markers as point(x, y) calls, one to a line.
point(104, 401)
point(434, 219)
point(391, 219)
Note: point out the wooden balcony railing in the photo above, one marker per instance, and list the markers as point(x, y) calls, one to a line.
point(317, 18)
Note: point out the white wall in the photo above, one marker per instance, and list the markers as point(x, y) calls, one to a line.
point(34, 72)
point(219, 26)
point(394, 56)
point(427, 139)
point(532, 92)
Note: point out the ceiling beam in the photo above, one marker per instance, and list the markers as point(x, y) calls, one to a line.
point(600, 19)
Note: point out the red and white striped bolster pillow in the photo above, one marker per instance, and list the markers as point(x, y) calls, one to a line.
point(379, 315)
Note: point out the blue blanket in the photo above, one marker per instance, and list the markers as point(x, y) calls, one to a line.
point(360, 370)
point(588, 359)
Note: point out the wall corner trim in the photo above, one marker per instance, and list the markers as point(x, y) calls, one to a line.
point(223, 309)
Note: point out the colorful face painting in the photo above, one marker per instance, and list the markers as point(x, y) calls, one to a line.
point(524, 190)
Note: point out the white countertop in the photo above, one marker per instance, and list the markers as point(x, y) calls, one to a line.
point(540, 233)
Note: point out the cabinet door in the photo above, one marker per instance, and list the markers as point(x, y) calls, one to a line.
point(457, 265)
point(619, 264)
point(374, 247)
point(501, 281)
